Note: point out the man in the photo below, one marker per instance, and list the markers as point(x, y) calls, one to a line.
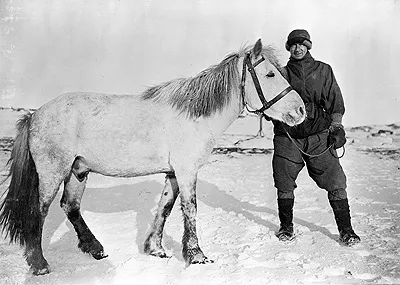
point(305, 144)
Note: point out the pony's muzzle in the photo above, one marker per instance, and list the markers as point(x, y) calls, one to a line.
point(296, 117)
point(300, 114)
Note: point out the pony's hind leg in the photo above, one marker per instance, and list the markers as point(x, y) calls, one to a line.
point(33, 243)
point(153, 243)
point(74, 186)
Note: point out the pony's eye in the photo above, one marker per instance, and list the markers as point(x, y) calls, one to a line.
point(270, 74)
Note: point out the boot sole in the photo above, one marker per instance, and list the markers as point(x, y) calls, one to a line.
point(286, 238)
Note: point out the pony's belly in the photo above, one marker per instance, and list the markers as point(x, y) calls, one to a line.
point(131, 172)
point(136, 167)
point(124, 162)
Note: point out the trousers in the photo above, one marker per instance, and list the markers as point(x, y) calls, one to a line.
point(325, 170)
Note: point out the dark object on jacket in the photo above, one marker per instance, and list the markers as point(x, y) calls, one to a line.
point(315, 82)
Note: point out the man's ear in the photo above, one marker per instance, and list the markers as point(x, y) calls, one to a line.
point(257, 49)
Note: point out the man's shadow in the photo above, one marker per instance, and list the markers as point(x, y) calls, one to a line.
point(212, 196)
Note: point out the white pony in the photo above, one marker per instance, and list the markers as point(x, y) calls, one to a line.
point(170, 128)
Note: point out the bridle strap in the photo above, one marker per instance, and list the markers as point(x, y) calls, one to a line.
point(250, 67)
point(256, 82)
point(276, 99)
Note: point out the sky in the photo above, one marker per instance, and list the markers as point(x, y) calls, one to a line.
point(124, 47)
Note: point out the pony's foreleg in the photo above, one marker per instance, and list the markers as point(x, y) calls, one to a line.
point(153, 243)
point(190, 246)
point(70, 203)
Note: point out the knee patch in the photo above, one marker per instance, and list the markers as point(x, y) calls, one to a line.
point(338, 194)
point(285, 194)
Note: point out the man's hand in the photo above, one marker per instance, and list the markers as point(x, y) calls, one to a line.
point(337, 136)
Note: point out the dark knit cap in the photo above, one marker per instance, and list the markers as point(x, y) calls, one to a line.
point(298, 37)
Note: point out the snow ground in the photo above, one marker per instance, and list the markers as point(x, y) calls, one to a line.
point(237, 221)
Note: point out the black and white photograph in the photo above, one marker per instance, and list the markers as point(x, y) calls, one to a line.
point(199, 142)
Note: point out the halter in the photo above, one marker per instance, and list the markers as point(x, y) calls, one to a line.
point(266, 104)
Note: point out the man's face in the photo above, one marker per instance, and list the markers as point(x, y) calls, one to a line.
point(298, 51)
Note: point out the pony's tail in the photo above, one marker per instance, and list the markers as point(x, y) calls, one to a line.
point(20, 217)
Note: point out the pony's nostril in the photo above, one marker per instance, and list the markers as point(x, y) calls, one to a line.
point(301, 110)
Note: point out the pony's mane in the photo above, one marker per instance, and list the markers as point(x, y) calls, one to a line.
point(207, 92)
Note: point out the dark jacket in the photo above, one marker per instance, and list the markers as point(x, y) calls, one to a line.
point(317, 86)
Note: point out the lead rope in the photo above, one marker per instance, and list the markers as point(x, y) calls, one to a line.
point(315, 155)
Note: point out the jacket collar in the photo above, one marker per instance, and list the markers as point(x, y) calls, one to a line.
point(306, 59)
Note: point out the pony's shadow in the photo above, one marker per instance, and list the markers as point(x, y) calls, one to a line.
point(212, 196)
point(139, 197)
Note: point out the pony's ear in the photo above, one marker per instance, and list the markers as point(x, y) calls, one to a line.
point(257, 48)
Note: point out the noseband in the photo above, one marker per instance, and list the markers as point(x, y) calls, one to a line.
point(250, 67)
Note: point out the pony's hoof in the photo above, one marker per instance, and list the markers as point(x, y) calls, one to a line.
point(38, 266)
point(159, 253)
point(93, 248)
point(154, 248)
point(40, 271)
point(99, 255)
point(198, 258)
point(205, 260)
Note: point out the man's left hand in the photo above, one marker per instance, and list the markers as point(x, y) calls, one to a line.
point(337, 136)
